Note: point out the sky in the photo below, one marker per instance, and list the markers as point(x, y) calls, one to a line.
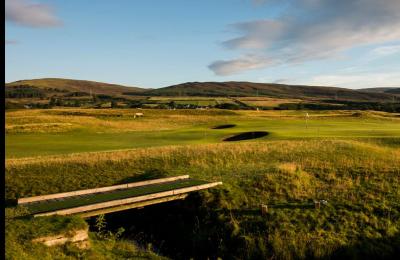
point(151, 44)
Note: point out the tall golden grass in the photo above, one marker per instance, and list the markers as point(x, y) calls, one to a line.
point(359, 179)
point(310, 153)
point(112, 120)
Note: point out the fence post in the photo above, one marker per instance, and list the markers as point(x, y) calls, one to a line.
point(264, 209)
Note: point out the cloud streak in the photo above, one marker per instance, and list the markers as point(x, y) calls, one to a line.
point(310, 30)
point(229, 67)
point(385, 50)
point(357, 80)
point(26, 13)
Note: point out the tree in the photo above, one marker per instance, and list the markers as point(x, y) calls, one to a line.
point(172, 104)
point(59, 102)
point(95, 99)
point(52, 101)
point(77, 103)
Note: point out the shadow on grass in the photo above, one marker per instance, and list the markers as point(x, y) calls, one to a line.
point(255, 212)
point(10, 203)
point(367, 248)
point(149, 174)
point(244, 212)
point(292, 206)
point(192, 227)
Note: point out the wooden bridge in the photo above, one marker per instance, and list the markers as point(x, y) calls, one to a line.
point(92, 202)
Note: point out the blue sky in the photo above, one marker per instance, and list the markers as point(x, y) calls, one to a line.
point(345, 43)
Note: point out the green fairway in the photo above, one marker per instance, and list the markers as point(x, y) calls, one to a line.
point(290, 126)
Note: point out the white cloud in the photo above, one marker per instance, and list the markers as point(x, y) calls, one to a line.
point(26, 13)
point(223, 68)
point(354, 80)
point(385, 50)
point(316, 29)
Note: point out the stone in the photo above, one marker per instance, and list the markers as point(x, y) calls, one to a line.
point(79, 237)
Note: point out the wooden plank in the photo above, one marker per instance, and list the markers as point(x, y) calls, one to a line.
point(97, 190)
point(87, 214)
point(114, 203)
point(85, 200)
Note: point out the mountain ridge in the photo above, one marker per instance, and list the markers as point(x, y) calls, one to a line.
point(73, 85)
point(243, 88)
point(228, 88)
point(390, 90)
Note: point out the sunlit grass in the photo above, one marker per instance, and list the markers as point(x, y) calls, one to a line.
point(266, 101)
point(63, 131)
point(349, 158)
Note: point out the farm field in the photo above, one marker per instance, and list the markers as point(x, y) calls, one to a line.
point(198, 101)
point(351, 159)
point(266, 101)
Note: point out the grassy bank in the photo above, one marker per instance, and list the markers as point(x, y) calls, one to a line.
point(351, 160)
point(359, 180)
point(21, 231)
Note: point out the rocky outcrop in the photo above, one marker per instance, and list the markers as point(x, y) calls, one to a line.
point(80, 238)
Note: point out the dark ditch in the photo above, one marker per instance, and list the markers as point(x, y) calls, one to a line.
point(246, 136)
point(224, 126)
point(199, 228)
point(182, 229)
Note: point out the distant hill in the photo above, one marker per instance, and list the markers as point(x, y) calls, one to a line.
point(395, 91)
point(382, 90)
point(49, 86)
point(266, 89)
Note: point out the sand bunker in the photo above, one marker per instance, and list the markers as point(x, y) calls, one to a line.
point(246, 136)
point(224, 126)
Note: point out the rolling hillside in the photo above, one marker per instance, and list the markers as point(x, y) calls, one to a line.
point(266, 89)
point(395, 91)
point(382, 90)
point(56, 85)
point(66, 87)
